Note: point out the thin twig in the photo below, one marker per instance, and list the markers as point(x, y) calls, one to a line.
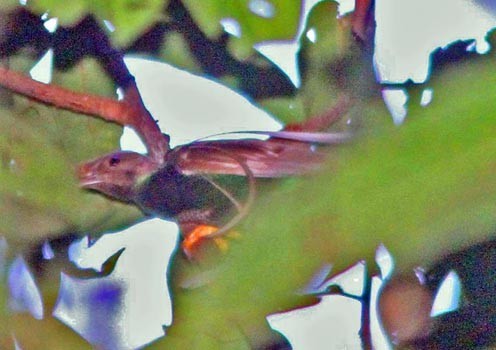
point(105, 108)
point(362, 18)
point(143, 122)
point(365, 331)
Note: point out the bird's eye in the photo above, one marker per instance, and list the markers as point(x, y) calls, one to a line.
point(114, 161)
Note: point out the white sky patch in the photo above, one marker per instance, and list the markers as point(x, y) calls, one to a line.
point(130, 141)
point(262, 8)
point(23, 2)
point(351, 281)
point(395, 100)
point(142, 303)
point(311, 35)
point(314, 286)
point(313, 327)
point(408, 31)
point(189, 107)
point(120, 93)
point(51, 24)
point(109, 25)
point(92, 308)
point(231, 26)
point(24, 293)
point(448, 295)
point(284, 53)
point(471, 47)
point(47, 251)
point(346, 6)
point(322, 326)
point(16, 344)
point(379, 337)
point(420, 274)
point(426, 97)
point(385, 261)
point(42, 70)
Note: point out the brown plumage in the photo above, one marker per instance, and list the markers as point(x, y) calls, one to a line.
point(178, 187)
point(172, 183)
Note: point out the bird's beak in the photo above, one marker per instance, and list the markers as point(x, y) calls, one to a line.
point(88, 178)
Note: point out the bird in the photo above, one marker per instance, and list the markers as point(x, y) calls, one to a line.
point(175, 183)
point(180, 187)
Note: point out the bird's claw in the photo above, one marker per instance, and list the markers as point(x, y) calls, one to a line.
point(193, 239)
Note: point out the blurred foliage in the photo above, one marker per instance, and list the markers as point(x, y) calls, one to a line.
point(30, 333)
point(126, 27)
point(40, 147)
point(330, 67)
point(176, 52)
point(424, 190)
point(279, 22)
point(48, 333)
point(8, 5)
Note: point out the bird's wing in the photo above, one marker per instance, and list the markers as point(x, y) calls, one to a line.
point(284, 153)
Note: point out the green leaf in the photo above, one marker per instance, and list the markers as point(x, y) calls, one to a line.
point(8, 5)
point(254, 28)
point(335, 64)
point(68, 12)
point(424, 189)
point(48, 333)
point(176, 52)
point(130, 18)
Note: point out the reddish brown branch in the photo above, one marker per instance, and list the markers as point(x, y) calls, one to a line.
point(130, 111)
point(142, 121)
point(105, 108)
point(361, 18)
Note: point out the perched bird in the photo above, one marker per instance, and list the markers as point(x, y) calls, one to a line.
point(180, 189)
point(173, 183)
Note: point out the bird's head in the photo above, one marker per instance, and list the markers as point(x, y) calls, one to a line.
point(117, 174)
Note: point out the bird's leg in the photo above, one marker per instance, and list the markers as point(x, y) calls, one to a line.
point(196, 226)
point(193, 238)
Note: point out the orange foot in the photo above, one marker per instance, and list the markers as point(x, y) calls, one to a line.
point(193, 239)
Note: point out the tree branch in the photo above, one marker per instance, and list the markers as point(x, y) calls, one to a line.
point(130, 112)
